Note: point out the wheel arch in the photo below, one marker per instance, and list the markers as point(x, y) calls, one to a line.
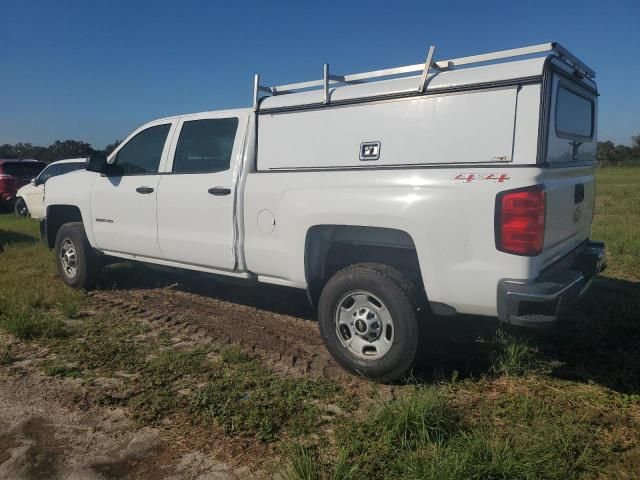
point(329, 248)
point(58, 215)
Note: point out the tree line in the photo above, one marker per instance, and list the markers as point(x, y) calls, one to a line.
point(608, 152)
point(58, 150)
point(611, 154)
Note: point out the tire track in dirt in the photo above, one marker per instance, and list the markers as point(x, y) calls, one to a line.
point(288, 345)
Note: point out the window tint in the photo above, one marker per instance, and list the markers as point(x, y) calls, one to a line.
point(205, 145)
point(59, 169)
point(22, 170)
point(142, 153)
point(574, 114)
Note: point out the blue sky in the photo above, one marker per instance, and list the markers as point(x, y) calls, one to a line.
point(94, 70)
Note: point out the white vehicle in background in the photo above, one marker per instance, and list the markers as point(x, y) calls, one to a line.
point(455, 186)
point(30, 198)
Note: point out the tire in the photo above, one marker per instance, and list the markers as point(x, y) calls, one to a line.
point(77, 262)
point(357, 334)
point(20, 208)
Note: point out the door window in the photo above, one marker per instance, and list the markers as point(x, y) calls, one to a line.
point(205, 145)
point(142, 153)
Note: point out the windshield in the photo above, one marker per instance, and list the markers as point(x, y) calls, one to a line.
point(22, 170)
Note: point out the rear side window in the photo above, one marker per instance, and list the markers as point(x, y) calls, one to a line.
point(574, 114)
point(205, 145)
point(22, 170)
point(142, 153)
point(59, 169)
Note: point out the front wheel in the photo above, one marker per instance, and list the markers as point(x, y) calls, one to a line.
point(368, 321)
point(77, 262)
point(20, 208)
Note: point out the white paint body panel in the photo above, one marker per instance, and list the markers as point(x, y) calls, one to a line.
point(450, 223)
point(33, 195)
point(302, 169)
point(411, 131)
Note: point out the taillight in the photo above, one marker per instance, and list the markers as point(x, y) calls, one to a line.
point(4, 176)
point(519, 223)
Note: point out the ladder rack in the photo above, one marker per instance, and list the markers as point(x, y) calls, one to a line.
point(422, 68)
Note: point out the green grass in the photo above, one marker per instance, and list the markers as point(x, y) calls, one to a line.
point(617, 220)
point(246, 399)
point(33, 302)
point(6, 357)
point(426, 435)
point(512, 355)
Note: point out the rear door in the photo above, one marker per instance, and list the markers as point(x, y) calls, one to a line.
point(570, 158)
point(196, 193)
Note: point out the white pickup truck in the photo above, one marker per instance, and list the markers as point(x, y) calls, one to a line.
point(456, 186)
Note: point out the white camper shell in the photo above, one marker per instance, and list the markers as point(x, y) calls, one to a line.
point(453, 186)
point(469, 115)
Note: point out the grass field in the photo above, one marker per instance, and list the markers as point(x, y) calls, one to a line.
point(557, 404)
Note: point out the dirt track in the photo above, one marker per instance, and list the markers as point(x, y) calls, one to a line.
point(289, 345)
point(274, 323)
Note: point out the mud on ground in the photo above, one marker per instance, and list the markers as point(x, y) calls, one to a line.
point(51, 427)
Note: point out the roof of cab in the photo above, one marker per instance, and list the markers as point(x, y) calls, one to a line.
point(70, 160)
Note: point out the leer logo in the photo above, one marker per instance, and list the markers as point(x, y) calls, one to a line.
point(470, 177)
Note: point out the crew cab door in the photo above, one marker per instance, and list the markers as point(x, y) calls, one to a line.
point(123, 201)
point(196, 193)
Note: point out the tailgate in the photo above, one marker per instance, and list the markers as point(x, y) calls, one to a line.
point(570, 199)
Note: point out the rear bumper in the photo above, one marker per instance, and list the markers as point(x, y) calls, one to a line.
point(540, 302)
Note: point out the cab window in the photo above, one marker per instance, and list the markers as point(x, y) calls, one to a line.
point(205, 146)
point(142, 153)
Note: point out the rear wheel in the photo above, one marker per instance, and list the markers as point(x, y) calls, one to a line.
point(78, 264)
point(20, 208)
point(368, 321)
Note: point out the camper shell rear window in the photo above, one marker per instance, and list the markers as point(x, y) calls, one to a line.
point(574, 114)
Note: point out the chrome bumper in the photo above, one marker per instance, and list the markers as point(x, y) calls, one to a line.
point(542, 301)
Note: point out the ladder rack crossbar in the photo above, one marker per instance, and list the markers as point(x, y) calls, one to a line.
point(423, 68)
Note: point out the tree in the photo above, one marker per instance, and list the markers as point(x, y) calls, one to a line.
point(111, 147)
point(67, 149)
point(635, 145)
point(605, 152)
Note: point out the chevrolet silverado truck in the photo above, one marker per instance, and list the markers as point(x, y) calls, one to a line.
point(462, 186)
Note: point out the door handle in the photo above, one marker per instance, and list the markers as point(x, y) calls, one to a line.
point(578, 195)
point(144, 190)
point(219, 191)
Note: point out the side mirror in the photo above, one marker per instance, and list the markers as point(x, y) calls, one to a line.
point(96, 163)
point(34, 182)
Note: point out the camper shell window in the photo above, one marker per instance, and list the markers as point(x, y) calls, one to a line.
point(574, 114)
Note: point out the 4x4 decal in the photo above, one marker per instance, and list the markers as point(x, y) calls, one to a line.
point(470, 177)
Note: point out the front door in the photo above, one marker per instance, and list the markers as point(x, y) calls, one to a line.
point(196, 194)
point(123, 202)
